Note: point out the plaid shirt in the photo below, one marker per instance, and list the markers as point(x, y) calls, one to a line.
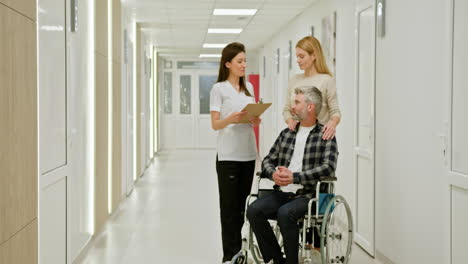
point(320, 157)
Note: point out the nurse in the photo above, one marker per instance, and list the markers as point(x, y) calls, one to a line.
point(236, 148)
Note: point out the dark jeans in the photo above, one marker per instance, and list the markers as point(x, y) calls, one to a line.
point(234, 182)
point(287, 209)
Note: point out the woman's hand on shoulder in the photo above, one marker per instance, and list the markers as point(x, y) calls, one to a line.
point(329, 130)
point(291, 123)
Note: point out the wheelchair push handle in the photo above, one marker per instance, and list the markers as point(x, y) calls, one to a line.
point(327, 179)
point(261, 175)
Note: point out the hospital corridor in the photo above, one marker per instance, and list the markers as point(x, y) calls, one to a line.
point(170, 217)
point(233, 132)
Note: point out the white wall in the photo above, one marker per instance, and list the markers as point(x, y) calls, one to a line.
point(252, 62)
point(412, 207)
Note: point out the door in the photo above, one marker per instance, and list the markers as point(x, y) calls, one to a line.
point(365, 128)
point(55, 120)
point(205, 136)
point(184, 108)
point(168, 111)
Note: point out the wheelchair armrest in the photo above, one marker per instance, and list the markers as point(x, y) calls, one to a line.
point(327, 178)
point(261, 175)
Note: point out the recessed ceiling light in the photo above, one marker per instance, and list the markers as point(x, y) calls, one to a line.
point(225, 30)
point(234, 12)
point(214, 46)
point(210, 55)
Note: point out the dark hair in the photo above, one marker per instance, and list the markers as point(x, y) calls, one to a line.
point(228, 53)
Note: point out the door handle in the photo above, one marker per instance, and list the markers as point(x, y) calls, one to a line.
point(73, 15)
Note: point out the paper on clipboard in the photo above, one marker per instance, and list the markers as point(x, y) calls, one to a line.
point(254, 110)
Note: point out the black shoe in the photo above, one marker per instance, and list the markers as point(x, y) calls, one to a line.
point(280, 261)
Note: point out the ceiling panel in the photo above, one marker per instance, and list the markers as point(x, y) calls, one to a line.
point(180, 26)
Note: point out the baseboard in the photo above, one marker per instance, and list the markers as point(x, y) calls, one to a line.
point(382, 258)
point(91, 242)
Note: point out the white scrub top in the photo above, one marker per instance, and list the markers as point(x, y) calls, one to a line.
point(235, 142)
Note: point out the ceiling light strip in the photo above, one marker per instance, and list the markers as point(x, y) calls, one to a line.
point(225, 30)
point(210, 55)
point(214, 46)
point(234, 12)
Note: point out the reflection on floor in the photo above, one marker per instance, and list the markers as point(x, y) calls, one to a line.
point(172, 216)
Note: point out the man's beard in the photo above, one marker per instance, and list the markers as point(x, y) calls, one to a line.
point(300, 116)
point(296, 117)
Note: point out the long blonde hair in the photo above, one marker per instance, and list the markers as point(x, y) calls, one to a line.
point(312, 46)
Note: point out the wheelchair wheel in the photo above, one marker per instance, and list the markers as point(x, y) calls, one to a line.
point(256, 255)
point(239, 258)
point(255, 250)
point(336, 232)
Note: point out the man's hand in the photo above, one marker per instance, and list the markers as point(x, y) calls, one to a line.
point(283, 176)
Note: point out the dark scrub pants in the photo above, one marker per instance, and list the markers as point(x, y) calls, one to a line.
point(234, 184)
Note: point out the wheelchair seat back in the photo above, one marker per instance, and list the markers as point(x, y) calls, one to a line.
point(324, 199)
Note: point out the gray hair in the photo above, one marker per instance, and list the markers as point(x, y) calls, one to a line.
point(311, 95)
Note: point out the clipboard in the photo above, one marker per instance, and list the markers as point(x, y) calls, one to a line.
point(254, 110)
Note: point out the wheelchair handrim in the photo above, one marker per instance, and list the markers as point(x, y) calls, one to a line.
point(329, 213)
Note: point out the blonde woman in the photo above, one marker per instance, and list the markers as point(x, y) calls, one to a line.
point(310, 59)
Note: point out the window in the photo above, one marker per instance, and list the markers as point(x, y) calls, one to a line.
point(205, 83)
point(185, 94)
point(167, 93)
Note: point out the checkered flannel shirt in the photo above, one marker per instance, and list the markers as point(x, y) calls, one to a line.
point(320, 157)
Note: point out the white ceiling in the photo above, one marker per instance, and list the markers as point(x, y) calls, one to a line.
point(181, 26)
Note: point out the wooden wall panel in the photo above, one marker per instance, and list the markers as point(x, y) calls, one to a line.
point(116, 103)
point(117, 38)
point(18, 122)
point(117, 134)
point(139, 83)
point(101, 152)
point(22, 248)
point(25, 7)
point(101, 27)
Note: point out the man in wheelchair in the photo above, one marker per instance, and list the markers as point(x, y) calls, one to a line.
point(296, 160)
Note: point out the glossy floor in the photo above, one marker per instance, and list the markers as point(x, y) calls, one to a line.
point(172, 216)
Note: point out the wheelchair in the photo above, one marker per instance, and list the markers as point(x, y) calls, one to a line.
point(331, 222)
